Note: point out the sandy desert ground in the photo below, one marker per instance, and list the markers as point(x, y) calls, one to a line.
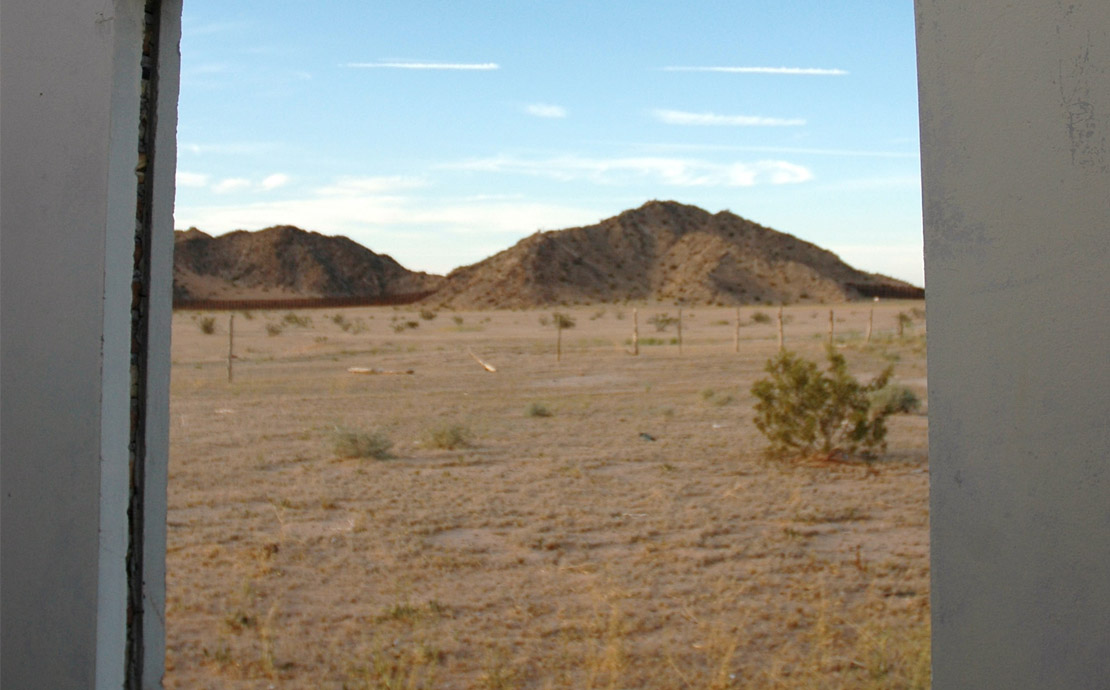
point(607, 522)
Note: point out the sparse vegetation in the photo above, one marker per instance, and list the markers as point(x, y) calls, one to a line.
point(895, 398)
point(805, 412)
point(357, 444)
point(717, 398)
point(295, 319)
point(448, 436)
point(634, 539)
point(562, 321)
point(273, 329)
point(904, 321)
point(207, 325)
point(761, 317)
point(662, 321)
point(537, 409)
point(428, 314)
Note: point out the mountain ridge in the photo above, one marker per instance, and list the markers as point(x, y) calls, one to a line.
point(662, 251)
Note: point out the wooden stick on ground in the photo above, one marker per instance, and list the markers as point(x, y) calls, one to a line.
point(487, 367)
point(366, 371)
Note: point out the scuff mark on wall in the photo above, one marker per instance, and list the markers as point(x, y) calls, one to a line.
point(1086, 131)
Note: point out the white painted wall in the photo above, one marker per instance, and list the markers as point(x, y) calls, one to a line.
point(69, 136)
point(1015, 105)
point(1015, 125)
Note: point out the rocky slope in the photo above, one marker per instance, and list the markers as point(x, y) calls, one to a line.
point(663, 251)
point(286, 262)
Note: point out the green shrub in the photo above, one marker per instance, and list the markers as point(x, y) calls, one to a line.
point(895, 398)
point(804, 412)
point(537, 409)
point(662, 321)
point(448, 436)
point(356, 444)
point(208, 325)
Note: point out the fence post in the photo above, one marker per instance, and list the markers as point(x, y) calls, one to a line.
point(782, 339)
point(230, 344)
point(680, 330)
point(736, 341)
point(635, 331)
point(831, 328)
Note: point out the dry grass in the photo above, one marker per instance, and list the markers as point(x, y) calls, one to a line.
point(635, 539)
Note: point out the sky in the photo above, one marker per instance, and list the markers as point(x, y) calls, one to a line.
point(441, 132)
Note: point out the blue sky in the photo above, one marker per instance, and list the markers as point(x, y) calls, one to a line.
point(441, 132)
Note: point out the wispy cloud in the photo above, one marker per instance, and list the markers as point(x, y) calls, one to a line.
point(274, 181)
point(231, 184)
point(406, 64)
point(820, 71)
point(240, 148)
point(679, 172)
point(545, 110)
point(191, 179)
point(680, 117)
point(377, 185)
point(673, 146)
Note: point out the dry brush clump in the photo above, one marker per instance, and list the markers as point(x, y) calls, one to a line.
point(805, 412)
point(448, 436)
point(359, 444)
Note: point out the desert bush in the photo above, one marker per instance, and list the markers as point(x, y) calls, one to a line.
point(714, 398)
point(448, 436)
point(537, 409)
point(805, 412)
point(208, 325)
point(294, 319)
point(544, 320)
point(457, 319)
point(761, 317)
point(357, 444)
point(562, 320)
point(662, 321)
point(428, 314)
point(273, 329)
point(895, 398)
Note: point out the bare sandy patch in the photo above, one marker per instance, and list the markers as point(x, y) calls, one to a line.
point(632, 537)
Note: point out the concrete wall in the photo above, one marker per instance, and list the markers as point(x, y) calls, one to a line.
point(69, 142)
point(1015, 126)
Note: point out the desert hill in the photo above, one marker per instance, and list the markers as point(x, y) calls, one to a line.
point(662, 250)
point(286, 262)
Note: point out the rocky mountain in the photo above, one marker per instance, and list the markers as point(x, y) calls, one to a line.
point(286, 262)
point(663, 251)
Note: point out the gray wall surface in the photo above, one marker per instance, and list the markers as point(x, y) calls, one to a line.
point(1015, 127)
point(69, 142)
